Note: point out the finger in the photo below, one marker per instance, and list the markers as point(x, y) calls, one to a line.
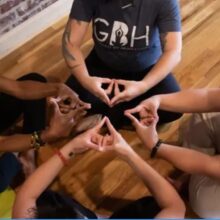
point(61, 105)
point(103, 96)
point(110, 127)
point(155, 121)
point(116, 90)
point(97, 139)
point(105, 80)
point(85, 104)
point(121, 82)
point(147, 121)
point(64, 110)
point(73, 113)
point(93, 146)
point(137, 109)
point(100, 124)
point(107, 140)
point(119, 98)
point(55, 106)
point(134, 120)
point(110, 87)
point(150, 122)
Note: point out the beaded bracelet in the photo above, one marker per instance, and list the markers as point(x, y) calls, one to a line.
point(36, 141)
point(155, 148)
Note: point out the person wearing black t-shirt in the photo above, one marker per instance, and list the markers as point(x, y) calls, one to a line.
point(137, 43)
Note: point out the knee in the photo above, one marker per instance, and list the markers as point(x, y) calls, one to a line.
point(34, 77)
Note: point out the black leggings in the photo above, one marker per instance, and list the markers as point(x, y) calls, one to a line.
point(116, 114)
point(34, 112)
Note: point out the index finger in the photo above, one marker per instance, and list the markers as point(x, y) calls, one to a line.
point(137, 109)
point(110, 126)
point(119, 98)
point(100, 124)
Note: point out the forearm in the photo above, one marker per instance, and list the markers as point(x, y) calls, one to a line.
point(40, 180)
point(193, 100)
point(21, 142)
point(154, 181)
point(28, 89)
point(34, 186)
point(190, 161)
point(163, 67)
point(73, 55)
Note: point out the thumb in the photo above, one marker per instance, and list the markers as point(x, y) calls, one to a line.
point(103, 96)
point(55, 107)
point(134, 120)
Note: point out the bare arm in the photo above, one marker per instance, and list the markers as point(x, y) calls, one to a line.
point(72, 40)
point(187, 160)
point(19, 142)
point(45, 174)
point(60, 126)
point(31, 90)
point(172, 45)
point(36, 184)
point(36, 90)
point(194, 100)
point(171, 204)
point(191, 161)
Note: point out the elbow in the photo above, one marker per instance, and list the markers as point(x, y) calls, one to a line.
point(179, 209)
point(178, 57)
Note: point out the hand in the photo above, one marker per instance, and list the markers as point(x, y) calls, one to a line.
point(91, 139)
point(146, 130)
point(114, 142)
point(69, 100)
point(146, 109)
point(94, 85)
point(61, 124)
point(132, 89)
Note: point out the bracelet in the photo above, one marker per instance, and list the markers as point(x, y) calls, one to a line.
point(62, 158)
point(155, 148)
point(36, 141)
point(38, 136)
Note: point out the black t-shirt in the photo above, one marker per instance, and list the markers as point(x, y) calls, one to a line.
point(144, 208)
point(126, 32)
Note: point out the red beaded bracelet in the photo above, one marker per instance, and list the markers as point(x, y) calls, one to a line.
point(62, 158)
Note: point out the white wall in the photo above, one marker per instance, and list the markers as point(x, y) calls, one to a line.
point(27, 30)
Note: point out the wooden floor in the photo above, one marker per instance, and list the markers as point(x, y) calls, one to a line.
point(102, 182)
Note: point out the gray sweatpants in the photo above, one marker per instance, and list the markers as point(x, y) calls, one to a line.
point(203, 134)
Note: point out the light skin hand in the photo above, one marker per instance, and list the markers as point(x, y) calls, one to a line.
point(146, 130)
point(132, 89)
point(146, 109)
point(68, 99)
point(114, 142)
point(94, 85)
point(90, 139)
point(60, 124)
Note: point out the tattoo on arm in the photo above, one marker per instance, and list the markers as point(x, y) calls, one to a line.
point(65, 41)
point(163, 40)
point(32, 212)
